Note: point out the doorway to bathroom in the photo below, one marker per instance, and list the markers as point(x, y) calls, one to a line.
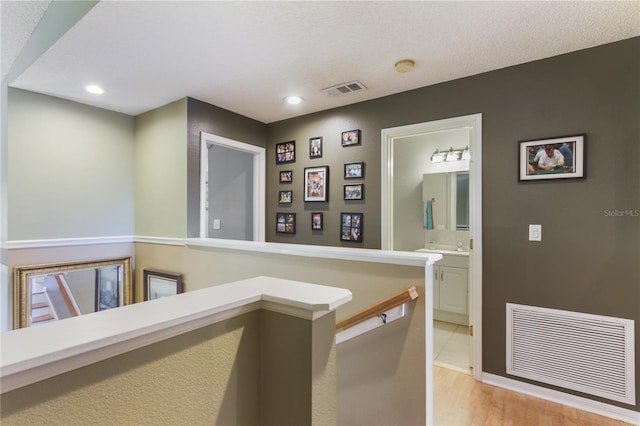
point(426, 168)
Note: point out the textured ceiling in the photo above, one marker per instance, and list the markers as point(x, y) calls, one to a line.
point(247, 56)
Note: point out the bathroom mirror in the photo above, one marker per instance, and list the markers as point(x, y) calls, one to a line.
point(52, 292)
point(446, 201)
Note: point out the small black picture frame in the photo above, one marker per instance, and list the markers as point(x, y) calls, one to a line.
point(286, 176)
point(351, 137)
point(286, 223)
point(354, 170)
point(315, 147)
point(353, 191)
point(159, 284)
point(286, 152)
point(317, 221)
point(351, 225)
point(285, 197)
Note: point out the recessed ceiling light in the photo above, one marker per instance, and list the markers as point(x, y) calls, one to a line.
point(293, 100)
point(96, 90)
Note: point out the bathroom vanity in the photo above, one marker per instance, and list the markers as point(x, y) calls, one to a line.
point(451, 286)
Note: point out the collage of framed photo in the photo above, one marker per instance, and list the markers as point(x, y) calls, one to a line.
point(351, 227)
point(286, 152)
point(286, 223)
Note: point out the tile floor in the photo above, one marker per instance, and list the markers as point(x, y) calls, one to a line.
point(451, 345)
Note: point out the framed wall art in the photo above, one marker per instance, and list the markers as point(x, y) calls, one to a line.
point(159, 284)
point(351, 137)
point(285, 197)
point(354, 192)
point(316, 221)
point(286, 223)
point(554, 158)
point(286, 176)
point(351, 227)
point(316, 183)
point(354, 170)
point(315, 147)
point(286, 152)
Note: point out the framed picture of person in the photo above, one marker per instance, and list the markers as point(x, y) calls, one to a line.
point(315, 147)
point(285, 197)
point(286, 176)
point(354, 192)
point(351, 137)
point(553, 158)
point(354, 170)
point(316, 221)
point(316, 183)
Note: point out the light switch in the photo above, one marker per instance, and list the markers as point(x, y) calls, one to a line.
point(216, 223)
point(535, 232)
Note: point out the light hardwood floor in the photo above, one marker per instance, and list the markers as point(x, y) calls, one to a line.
point(460, 400)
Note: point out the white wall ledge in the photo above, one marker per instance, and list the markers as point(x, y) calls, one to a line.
point(327, 252)
point(32, 354)
point(344, 253)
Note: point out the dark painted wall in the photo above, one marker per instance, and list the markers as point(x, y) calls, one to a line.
point(203, 117)
point(588, 259)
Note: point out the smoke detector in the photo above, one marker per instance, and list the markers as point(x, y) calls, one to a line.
point(344, 88)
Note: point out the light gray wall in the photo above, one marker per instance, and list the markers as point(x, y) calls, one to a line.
point(230, 193)
point(70, 169)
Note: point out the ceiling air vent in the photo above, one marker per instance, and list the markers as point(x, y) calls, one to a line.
point(344, 88)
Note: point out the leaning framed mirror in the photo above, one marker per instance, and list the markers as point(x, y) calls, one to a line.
point(52, 292)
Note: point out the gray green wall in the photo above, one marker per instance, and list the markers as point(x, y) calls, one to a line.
point(70, 169)
point(161, 171)
point(592, 252)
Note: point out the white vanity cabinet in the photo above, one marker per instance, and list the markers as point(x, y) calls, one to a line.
point(451, 289)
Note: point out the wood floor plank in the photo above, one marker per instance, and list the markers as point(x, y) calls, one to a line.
point(461, 401)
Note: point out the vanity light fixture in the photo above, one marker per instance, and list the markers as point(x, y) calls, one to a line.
point(94, 89)
point(293, 100)
point(451, 155)
point(466, 155)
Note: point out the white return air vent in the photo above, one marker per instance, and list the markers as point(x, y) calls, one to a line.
point(344, 88)
point(583, 352)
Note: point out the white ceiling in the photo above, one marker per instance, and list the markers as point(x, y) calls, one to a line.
point(247, 56)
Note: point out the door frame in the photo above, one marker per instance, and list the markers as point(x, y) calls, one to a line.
point(259, 173)
point(474, 123)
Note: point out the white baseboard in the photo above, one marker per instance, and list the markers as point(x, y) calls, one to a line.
point(596, 407)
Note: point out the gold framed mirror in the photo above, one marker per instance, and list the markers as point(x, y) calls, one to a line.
point(51, 292)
